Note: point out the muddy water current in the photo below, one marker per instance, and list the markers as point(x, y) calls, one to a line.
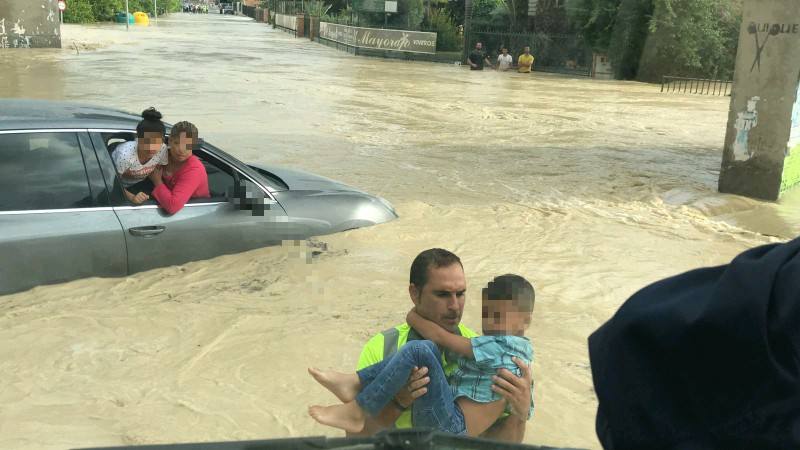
point(590, 189)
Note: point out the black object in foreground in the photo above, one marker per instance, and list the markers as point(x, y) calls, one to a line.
point(709, 359)
point(408, 439)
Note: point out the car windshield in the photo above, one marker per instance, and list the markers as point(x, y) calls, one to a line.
point(217, 216)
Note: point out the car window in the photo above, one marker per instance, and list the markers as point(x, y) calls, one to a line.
point(42, 171)
point(220, 175)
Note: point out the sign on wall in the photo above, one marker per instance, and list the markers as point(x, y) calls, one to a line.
point(379, 39)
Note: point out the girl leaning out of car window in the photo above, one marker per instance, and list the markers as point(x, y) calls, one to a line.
point(135, 160)
point(184, 176)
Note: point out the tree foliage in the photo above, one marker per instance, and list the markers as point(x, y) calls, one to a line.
point(628, 37)
point(447, 38)
point(694, 38)
point(646, 39)
point(595, 19)
point(79, 11)
point(86, 11)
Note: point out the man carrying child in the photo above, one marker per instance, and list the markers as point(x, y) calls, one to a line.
point(437, 289)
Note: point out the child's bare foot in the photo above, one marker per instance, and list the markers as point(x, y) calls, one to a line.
point(345, 386)
point(348, 417)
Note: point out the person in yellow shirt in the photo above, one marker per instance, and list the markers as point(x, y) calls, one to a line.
point(525, 61)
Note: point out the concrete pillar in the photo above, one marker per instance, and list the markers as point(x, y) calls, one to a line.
point(313, 28)
point(301, 25)
point(761, 158)
point(29, 24)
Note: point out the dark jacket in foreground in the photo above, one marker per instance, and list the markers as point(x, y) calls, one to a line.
point(709, 359)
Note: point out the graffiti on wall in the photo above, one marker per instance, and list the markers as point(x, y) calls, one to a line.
point(745, 121)
point(763, 31)
point(16, 38)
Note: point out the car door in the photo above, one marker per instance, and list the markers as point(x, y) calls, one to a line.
point(56, 223)
point(204, 228)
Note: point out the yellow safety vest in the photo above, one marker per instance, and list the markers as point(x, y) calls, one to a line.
point(388, 341)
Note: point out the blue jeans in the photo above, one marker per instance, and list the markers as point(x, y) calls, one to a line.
point(436, 408)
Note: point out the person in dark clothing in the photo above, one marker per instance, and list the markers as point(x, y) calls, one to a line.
point(709, 359)
point(478, 58)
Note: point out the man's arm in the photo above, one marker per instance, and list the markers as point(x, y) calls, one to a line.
point(432, 331)
point(517, 392)
point(389, 415)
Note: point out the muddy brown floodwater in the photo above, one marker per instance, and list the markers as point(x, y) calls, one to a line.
point(591, 189)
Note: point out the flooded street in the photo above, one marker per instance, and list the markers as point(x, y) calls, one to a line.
point(590, 189)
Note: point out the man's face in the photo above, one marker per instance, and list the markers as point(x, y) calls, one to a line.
point(441, 299)
point(527, 50)
point(505, 51)
point(478, 46)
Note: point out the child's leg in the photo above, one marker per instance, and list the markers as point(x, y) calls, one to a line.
point(345, 386)
point(380, 384)
point(437, 407)
point(369, 373)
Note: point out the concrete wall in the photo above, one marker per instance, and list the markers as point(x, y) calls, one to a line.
point(758, 160)
point(29, 24)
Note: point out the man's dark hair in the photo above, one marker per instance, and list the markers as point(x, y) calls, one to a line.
point(511, 287)
point(151, 123)
point(431, 258)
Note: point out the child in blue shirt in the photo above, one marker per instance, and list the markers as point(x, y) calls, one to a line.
point(465, 405)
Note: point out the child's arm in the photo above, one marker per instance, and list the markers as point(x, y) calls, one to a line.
point(430, 330)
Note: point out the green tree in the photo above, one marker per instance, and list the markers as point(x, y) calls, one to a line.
point(694, 38)
point(79, 11)
point(595, 19)
point(628, 37)
point(106, 9)
point(447, 38)
point(86, 11)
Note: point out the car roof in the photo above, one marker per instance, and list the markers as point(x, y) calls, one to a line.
point(28, 114)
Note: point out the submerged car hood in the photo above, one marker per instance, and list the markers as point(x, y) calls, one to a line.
point(298, 180)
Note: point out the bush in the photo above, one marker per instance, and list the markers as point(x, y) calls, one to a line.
point(79, 11)
point(105, 10)
point(447, 38)
point(86, 11)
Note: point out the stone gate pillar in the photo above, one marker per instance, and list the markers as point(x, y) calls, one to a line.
point(761, 158)
point(29, 24)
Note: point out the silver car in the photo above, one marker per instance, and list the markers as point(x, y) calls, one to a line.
point(63, 215)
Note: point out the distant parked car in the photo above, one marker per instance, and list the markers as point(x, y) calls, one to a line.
point(63, 215)
point(227, 8)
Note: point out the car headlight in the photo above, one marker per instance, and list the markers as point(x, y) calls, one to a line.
point(387, 205)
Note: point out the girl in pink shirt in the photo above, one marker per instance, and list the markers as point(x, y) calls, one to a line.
point(184, 176)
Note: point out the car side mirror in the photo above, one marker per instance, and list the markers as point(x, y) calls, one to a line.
point(247, 196)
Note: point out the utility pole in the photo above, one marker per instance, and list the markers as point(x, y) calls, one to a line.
point(155, 10)
point(127, 24)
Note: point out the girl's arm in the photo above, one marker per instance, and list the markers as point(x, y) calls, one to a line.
point(172, 200)
point(432, 331)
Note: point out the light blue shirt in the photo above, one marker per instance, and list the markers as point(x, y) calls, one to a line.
point(473, 378)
